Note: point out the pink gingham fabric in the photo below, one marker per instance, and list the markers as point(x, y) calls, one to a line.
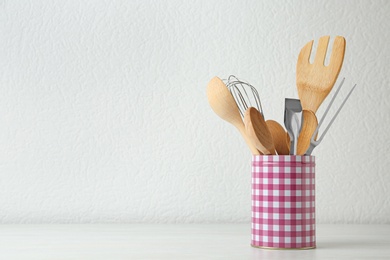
point(283, 201)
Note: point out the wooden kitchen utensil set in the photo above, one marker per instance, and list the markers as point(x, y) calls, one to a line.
point(238, 103)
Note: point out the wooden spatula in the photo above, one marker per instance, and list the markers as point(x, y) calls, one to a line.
point(279, 137)
point(309, 126)
point(223, 104)
point(315, 81)
point(258, 132)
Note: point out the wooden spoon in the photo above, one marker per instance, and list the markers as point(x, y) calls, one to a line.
point(279, 137)
point(315, 81)
point(224, 105)
point(258, 132)
point(309, 126)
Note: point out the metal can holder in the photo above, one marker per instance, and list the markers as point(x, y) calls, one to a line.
point(283, 202)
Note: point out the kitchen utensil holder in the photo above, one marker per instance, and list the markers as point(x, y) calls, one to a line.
point(283, 202)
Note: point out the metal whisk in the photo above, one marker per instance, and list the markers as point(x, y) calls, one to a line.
point(244, 94)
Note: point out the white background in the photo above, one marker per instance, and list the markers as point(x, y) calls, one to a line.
point(104, 115)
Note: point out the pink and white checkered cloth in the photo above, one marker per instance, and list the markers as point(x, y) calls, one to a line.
point(283, 201)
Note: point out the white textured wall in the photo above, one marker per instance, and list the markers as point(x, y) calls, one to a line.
point(104, 116)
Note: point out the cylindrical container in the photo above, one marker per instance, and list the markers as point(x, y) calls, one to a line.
point(283, 201)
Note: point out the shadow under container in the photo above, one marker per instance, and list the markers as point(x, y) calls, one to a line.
point(283, 202)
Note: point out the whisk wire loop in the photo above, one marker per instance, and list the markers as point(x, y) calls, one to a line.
point(244, 94)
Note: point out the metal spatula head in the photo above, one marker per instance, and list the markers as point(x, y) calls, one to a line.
point(293, 121)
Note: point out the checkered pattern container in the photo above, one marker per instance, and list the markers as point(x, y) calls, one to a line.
point(283, 201)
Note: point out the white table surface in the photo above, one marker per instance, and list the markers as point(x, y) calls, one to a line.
point(189, 241)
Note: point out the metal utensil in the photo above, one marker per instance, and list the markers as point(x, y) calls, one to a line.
point(223, 104)
point(314, 143)
point(244, 94)
point(293, 121)
point(315, 81)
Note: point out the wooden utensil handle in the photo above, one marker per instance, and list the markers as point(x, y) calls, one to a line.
point(247, 140)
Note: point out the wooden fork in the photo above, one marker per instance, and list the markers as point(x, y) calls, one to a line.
point(315, 81)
